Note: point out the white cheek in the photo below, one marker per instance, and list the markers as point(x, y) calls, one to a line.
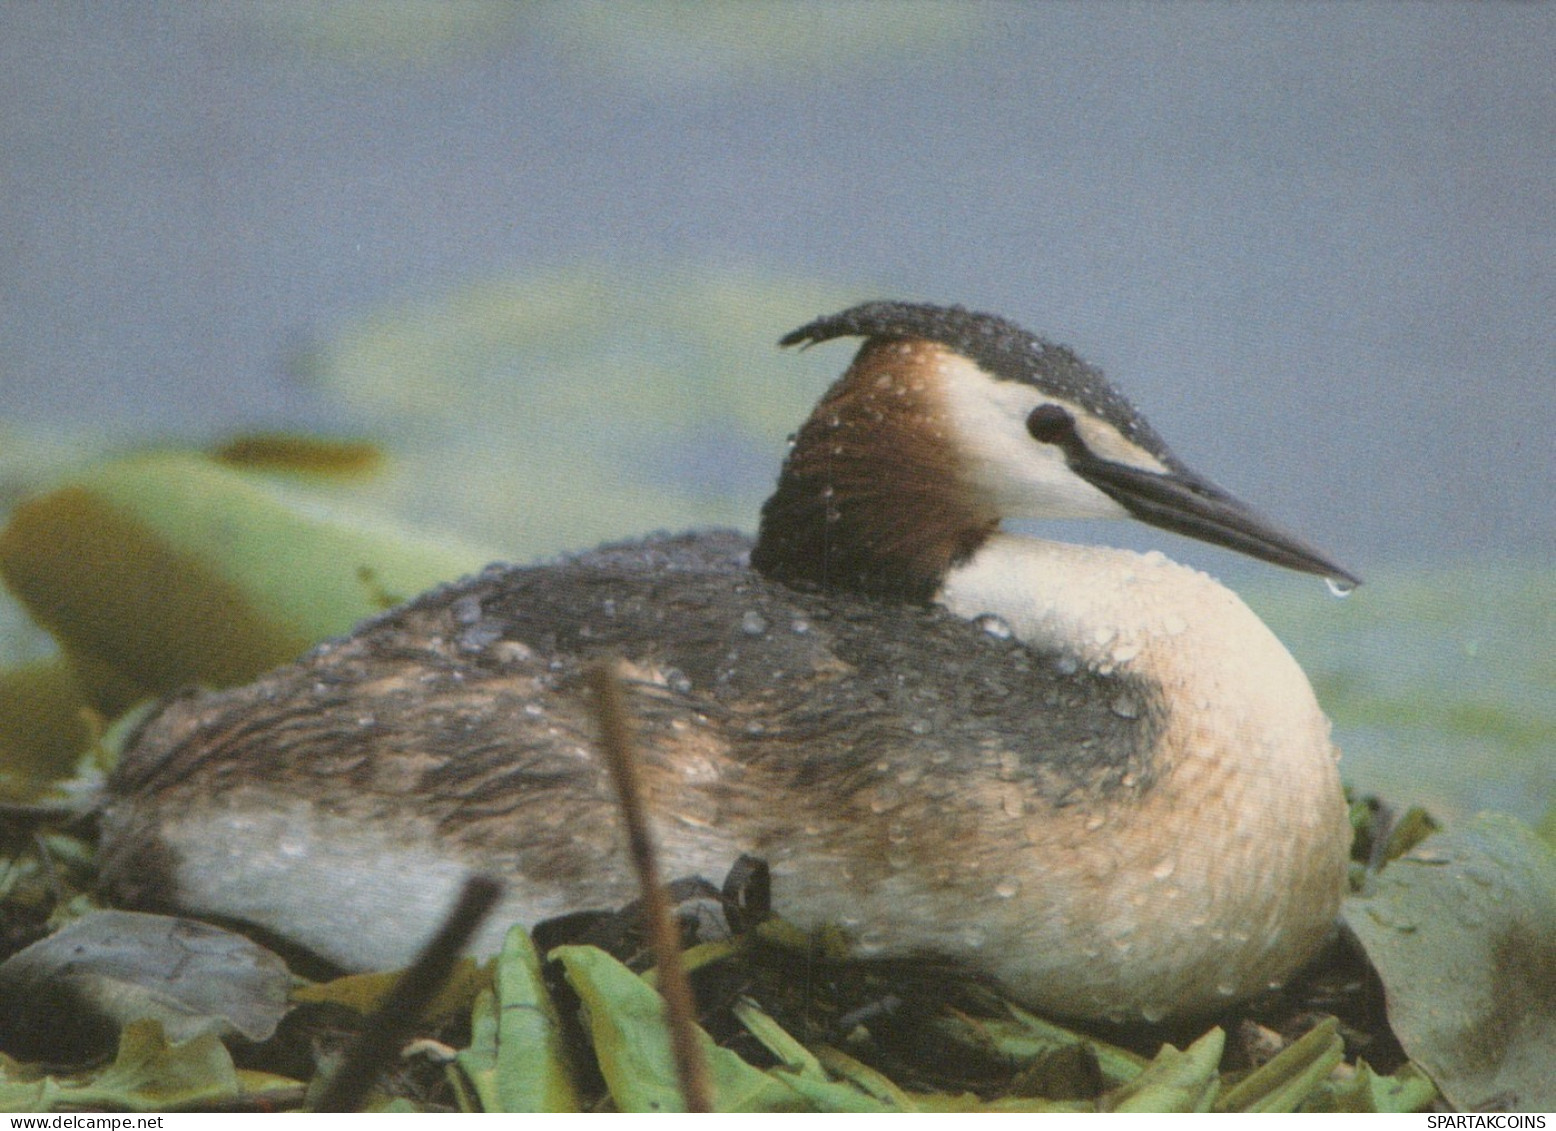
point(1033, 481)
point(1109, 444)
point(1021, 477)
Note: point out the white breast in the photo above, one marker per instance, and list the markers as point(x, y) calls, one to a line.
point(1229, 871)
point(1143, 614)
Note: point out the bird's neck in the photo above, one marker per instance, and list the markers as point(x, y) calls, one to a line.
point(872, 498)
point(1116, 610)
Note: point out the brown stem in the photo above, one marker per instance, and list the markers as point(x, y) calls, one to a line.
point(680, 1012)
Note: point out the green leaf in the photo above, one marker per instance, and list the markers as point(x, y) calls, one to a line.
point(1175, 1080)
point(23, 1088)
point(296, 454)
point(364, 993)
point(165, 570)
point(1410, 830)
point(517, 1060)
point(968, 1102)
point(1462, 931)
point(802, 1070)
point(865, 1078)
point(149, 1074)
point(1291, 1076)
point(1024, 1037)
point(829, 1095)
point(794, 1056)
point(1407, 1090)
point(44, 727)
point(627, 1025)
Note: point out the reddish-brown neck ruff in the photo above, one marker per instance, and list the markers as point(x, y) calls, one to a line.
point(873, 497)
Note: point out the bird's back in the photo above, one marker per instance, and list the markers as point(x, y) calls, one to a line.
point(770, 720)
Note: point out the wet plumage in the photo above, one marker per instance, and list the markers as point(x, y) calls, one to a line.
point(1090, 774)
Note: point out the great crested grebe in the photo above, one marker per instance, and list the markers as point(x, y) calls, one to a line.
point(1091, 774)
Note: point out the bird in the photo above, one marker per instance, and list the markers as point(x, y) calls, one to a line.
point(1090, 775)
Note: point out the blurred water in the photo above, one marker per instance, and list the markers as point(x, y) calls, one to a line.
point(1442, 683)
point(545, 251)
point(1324, 224)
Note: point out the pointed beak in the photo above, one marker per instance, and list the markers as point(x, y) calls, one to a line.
point(1184, 503)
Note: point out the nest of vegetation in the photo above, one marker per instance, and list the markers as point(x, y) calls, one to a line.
point(791, 1021)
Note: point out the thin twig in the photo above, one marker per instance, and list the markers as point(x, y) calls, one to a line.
point(680, 1013)
point(403, 1006)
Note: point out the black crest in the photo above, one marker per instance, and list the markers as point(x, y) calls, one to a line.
point(998, 346)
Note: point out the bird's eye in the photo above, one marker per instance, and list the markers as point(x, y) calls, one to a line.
point(1050, 424)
